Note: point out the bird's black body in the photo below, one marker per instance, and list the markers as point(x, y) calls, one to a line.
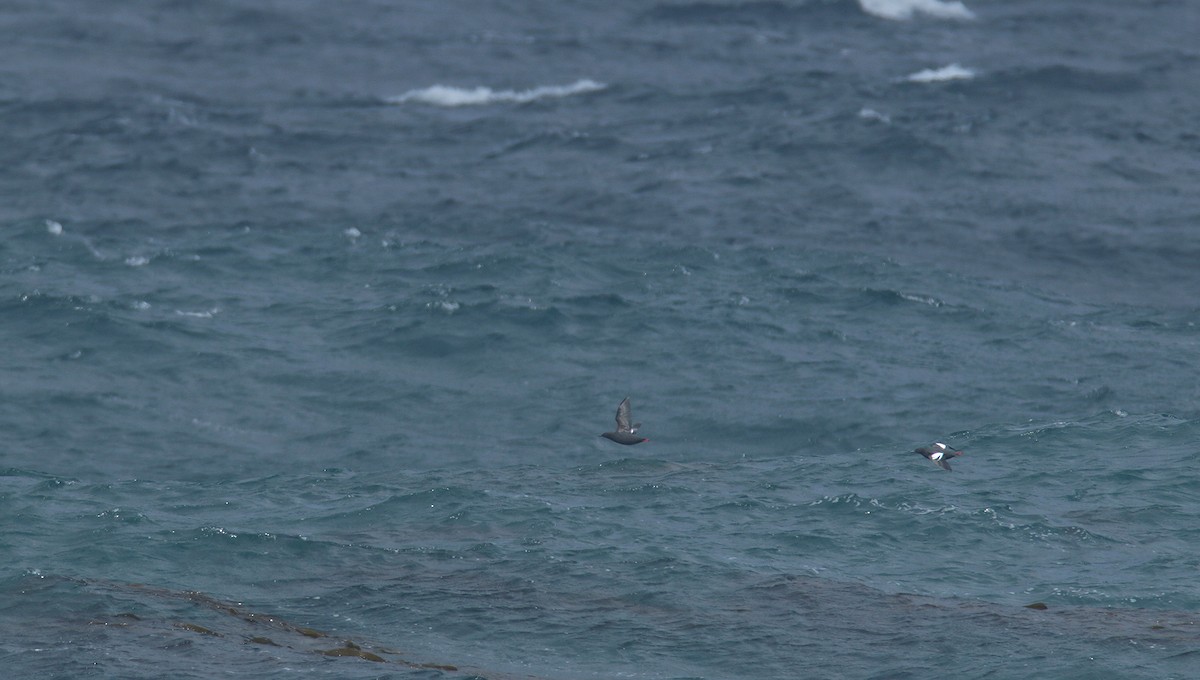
point(625, 433)
point(624, 438)
point(939, 453)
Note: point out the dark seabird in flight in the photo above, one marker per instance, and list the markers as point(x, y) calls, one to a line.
point(939, 453)
point(625, 433)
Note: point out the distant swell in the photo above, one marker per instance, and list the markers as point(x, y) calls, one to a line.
point(902, 10)
point(445, 95)
point(1061, 77)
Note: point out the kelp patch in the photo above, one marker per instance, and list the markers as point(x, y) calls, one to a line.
point(284, 634)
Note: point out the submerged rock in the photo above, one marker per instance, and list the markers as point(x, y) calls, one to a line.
point(198, 629)
point(352, 650)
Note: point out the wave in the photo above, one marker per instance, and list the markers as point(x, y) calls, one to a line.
point(1069, 78)
point(937, 75)
point(761, 12)
point(445, 95)
point(871, 114)
point(903, 10)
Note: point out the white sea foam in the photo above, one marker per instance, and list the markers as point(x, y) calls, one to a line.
point(932, 302)
point(445, 95)
point(937, 75)
point(199, 315)
point(55, 228)
point(903, 10)
point(872, 114)
point(137, 261)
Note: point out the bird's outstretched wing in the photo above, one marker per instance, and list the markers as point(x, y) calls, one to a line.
point(624, 415)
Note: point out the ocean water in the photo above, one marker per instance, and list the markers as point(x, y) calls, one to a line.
point(312, 314)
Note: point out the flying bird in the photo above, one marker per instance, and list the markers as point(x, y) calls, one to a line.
point(625, 433)
point(939, 453)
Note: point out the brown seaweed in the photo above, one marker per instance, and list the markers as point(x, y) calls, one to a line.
point(788, 592)
point(294, 636)
point(198, 629)
point(351, 649)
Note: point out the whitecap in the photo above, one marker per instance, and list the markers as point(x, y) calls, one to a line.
point(137, 261)
point(199, 315)
point(53, 227)
point(937, 75)
point(932, 302)
point(871, 114)
point(903, 10)
point(445, 95)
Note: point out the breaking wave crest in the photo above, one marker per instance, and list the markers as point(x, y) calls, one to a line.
point(903, 10)
point(937, 75)
point(445, 95)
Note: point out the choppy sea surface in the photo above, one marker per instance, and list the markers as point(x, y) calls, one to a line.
point(311, 315)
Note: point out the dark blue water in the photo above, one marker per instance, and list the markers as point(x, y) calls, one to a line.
point(311, 314)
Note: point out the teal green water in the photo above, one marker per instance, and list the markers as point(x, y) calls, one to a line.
point(304, 367)
point(406, 455)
